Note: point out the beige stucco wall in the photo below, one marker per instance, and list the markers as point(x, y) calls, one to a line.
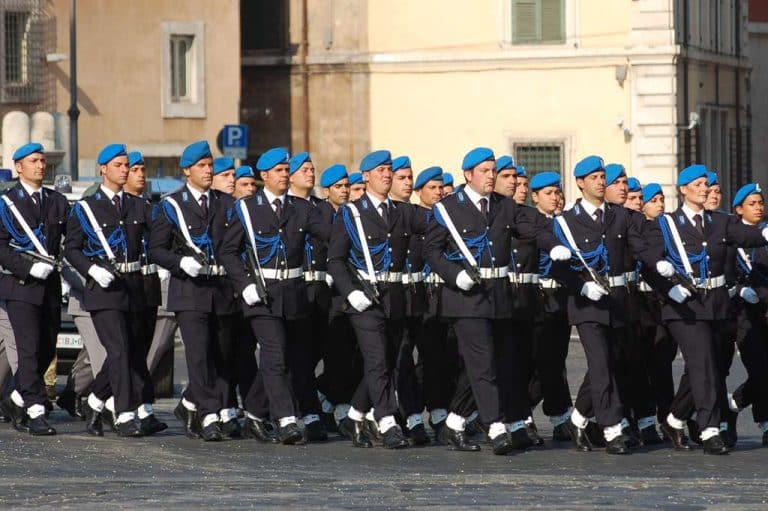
point(119, 67)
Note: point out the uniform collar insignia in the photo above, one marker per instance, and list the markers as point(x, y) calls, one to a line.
point(460, 196)
point(681, 219)
point(259, 200)
point(185, 196)
point(97, 195)
point(577, 209)
point(20, 193)
point(364, 202)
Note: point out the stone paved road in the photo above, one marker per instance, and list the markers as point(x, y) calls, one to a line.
point(75, 471)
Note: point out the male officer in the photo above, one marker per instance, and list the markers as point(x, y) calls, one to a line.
point(552, 332)
point(469, 247)
point(634, 195)
point(33, 221)
point(600, 235)
point(366, 258)
point(714, 193)
point(506, 176)
point(402, 179)
point(274, 225)
point(695, 243)
point(447, 183)
point(302, 177)
point(245, 182)
point(356, 186)
point(104, 243)
point(185, 238)
point(224, 175)
point(521, 185)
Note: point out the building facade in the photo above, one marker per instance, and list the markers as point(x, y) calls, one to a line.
point(758, 50)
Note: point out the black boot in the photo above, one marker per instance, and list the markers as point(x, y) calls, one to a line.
point(255, 429)
point(360, 434)
point(189, 420)
point(93, 421)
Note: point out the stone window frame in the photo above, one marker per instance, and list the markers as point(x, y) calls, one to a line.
point(193, 107)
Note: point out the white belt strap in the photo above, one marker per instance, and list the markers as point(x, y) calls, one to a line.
point(679, 245)
point(183, 225)
point(370, 275)
point(617, 280)
point(25, 227)
point(283, 274)
point(97, 228)
point(455, 235)
point(742, 253)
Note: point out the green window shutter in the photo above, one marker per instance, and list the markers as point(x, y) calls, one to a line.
point(525, 26)
point(552, 21)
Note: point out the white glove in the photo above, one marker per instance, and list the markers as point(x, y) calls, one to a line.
point(329, 279)
point(679, 294)
point(66, 287)
point(765, 233)
point(163, 274)
point(732, 291)
point(560, 253)
point(250, 295)
point(190, 266)
point(358, 300)
point(40, 270)
point(749, 295)
point(464, 281)
point(593, 291)
point(665, 268)
point(102, 276)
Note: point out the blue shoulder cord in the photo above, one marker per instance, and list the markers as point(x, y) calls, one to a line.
point(272, 244)
point(597, 258)
point(202, 241)
point(22, 241)
point(674, 257)
point(93, 247)
point(476, 245)
point(380, 251)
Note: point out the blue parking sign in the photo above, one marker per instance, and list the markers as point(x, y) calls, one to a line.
point(235, 141)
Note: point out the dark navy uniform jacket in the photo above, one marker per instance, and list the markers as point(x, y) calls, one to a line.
point(52, 219)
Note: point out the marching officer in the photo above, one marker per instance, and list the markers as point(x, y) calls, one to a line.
point(245, 182)
point(273, 226)
point(447, 183)
point(356, 186)
point(469, 247)
point(224, 175)
point(184, 240)
point(521, 185)
point(33, 222)
point(105, 244)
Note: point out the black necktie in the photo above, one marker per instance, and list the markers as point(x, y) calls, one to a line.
point(278, 208)
point(36, 202)
point(484, 207)
point(384, 212)
point(698, 223)
point(599, 216)
point(116, 202)
point(204, 205)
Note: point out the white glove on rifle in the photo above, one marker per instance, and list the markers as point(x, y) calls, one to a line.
point(593, 291)
point(163, 274)
point(679, 294)
point(464, 281)
point(560, 253)
point(749, 295)
point(40, 270)
point(665, 269)
point(358, 300)
point(190, 266)
point(102, 276)
point(329, 279)
point(250, 295)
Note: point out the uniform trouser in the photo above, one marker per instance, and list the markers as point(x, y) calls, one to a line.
point(439, 356)
point(752, 339)
point(661, 350)
point(410, 374)
point(632, 374)
point(35, 328)
point(700, 384)
point(286, 365)
point(478, 341)
point(204, 334)
point(379, 339)
point(552, 336)
point(513, 352)
point(124, 374)
point(598, 395)
point(9, 359)
point(342, 362)
point(248, 378)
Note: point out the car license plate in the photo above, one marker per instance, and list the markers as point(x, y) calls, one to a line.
point(69, 341)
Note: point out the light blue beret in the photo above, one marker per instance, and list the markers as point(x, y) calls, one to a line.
point(27, 149)
point(372, 160)
point(135, 158)
point(297, 160)
point(222, 164)
point(691, 173)
point(475, 157)
point(272, 157)
point(712, 178)
point(613, 171)
point(401, 162)
point(447, 179)
point(588, 165)
point(651, 190)
point(521, 172)
point(545, 179)
point(111, 152)
point(633, 184)
point(744, 192)
point(504, 162)
point(194, 152)
point(356, 178)
point(333, 175)
point(427, 175)
point(244, 171)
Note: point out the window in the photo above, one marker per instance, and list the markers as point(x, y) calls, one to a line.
point(539, 157)
point(183, 77)
point(538, 21)
point(263, 26)
point(20, 51)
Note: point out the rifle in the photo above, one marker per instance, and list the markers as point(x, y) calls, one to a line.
point(597, 278)
point(369, 289)
point(257, 276)
point(188, 251)
point(687, 283)
point(472, 271)
point(34, 254)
